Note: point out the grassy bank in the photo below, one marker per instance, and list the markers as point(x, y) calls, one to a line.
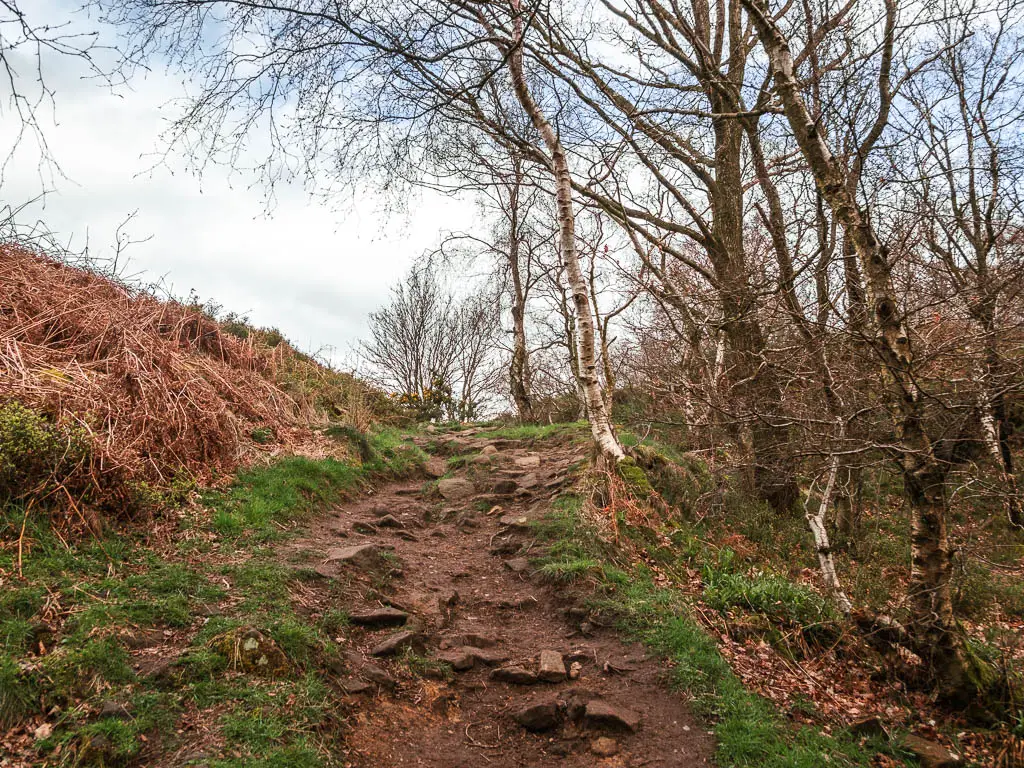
point(125, 647)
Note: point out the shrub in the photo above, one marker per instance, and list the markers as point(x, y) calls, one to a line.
point(37, 457)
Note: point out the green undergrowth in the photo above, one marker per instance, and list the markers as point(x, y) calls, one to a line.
point(75, 611)
point(749, 731)
point(264, 501)
point(538, 431)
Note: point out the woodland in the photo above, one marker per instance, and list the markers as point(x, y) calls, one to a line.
point(762, 264)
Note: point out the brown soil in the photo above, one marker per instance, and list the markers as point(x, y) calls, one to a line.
point(451, 577)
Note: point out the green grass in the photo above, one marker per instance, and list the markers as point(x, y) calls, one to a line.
point(769, 594)
point(748, 730)
point(265, 501)
point(537, 431)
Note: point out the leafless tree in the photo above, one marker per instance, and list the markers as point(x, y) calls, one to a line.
point(961, 163)
point(925, 462)
point(433, 350)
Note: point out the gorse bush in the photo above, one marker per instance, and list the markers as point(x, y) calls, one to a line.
point(38, 457)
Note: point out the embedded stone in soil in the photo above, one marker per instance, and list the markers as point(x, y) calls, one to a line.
point(540, 717)
point(381, 617)
point(551, 667)
point(361, 555)
point(397, 642)
point(455, 488)
point(516, 675)
point(601, 713)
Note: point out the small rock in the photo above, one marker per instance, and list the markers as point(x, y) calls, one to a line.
point(601, 713)
point(576, 702)
point(354, 687)
point(461, 660)
point(481, 458)
point(539, 717)
point(377, 675)
point(604, 747)
point(930, 754)
point(380, 617)
point(518, 564)
point(504, 545)
point(869, 726)
point(504, 487)
point(436, 467)
point(474, 640)
point(488, 450)
point(516, 675)
point(529, 481)
point(44, 731)
point(361, 526)
point(515, 521)
point(398, 642)
point(390, 521)
point(406, 536)
point(113, 709)
point(551, 668)
point(455, 488)
point(575, 669)
point(527, 462)
point(490, 658)
point(361, 555)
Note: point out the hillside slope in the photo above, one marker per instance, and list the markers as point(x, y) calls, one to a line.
point(116, 394)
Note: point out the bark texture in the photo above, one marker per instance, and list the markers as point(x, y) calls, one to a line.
point(936, 636)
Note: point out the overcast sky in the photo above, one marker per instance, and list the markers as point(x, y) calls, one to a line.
point(313, 272)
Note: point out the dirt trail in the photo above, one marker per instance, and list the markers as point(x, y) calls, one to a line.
point(452, 582)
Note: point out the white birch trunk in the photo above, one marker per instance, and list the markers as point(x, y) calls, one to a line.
point(600, 423)
point(816, 522)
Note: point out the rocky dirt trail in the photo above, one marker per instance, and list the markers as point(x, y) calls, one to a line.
point(448, 578)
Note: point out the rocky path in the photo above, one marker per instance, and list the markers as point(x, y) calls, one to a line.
point(449, 579)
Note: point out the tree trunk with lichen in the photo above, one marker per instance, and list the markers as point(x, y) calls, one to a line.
point(755, 385)
point(933, 629)
point(519, 365)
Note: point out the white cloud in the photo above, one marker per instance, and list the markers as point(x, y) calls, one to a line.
point(312, 272)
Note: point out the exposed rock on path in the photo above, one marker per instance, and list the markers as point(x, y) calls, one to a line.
point(461, 657)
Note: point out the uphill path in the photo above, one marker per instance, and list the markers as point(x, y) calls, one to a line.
point(460, 655)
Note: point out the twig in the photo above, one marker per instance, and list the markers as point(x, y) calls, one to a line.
point(21, 536)
point(476, 743)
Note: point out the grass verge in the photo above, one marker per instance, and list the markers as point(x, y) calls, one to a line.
point(118, 650)
point(749, 731)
